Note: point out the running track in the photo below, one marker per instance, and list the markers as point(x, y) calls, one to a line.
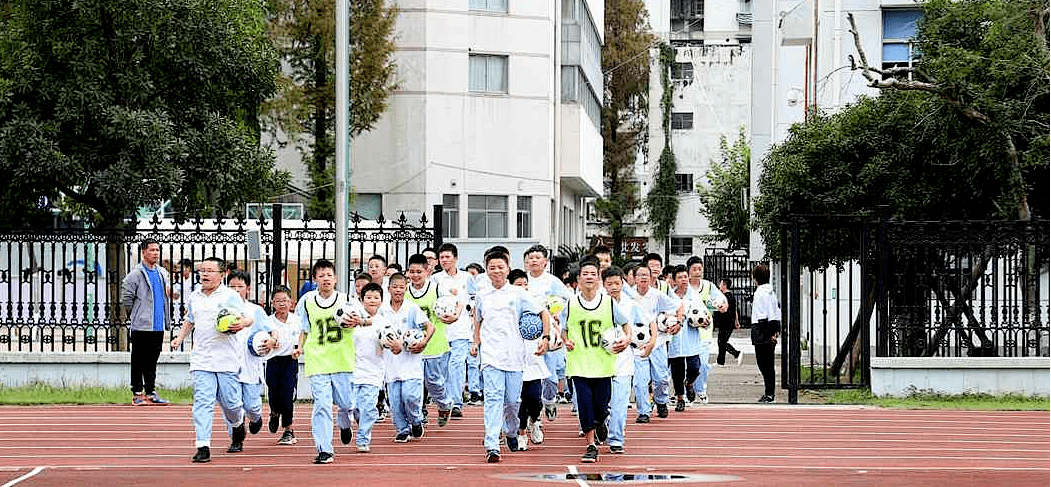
point(117, 446)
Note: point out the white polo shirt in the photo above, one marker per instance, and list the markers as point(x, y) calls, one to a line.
point(461, 328)
point(214, 351)
point(405, 365)
point(502, 344)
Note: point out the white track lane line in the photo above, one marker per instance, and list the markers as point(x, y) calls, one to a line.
point(26, 476)
point(576, 476)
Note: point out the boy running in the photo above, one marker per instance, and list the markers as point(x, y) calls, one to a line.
point(250, 376)
point(424, 293)
point(282, 371)
point(404, 368)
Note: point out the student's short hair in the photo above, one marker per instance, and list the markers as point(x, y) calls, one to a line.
point(280, 288)
point(600, 249)
point(145, 244)
point(612, 271)
point(185, 263)
point(589, 260)
point(516, 274)
point(231, 265)
point(448, 247)
point(498, 248)
point(726, 280)
point(476, 266)
point(668, 270)
point(371, 287)
point(635, 271)
point(679, 268)
point(535, 248)
point(243, 276)
point(694, 260)
point(761, 274)
point(397, 276)
point(219, 263)
point(496, 254)
point(379, 258)
point(363, 277)
point(629, 268)
point(418, 259)
point(321, 264)
point(429, 249)
point(396, 266)
point(652, 256)
point(571, 276)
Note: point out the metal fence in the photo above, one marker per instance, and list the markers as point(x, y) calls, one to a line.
point(733, 264)
point(60, 287)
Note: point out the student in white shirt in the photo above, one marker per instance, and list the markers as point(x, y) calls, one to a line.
point(652, 368)
point(625, 365)
point(708, 293)
point(766, 326)
point(282, 371)
point(453, 281)
point(536, 370)
point(543, 286)
point(251, 374)
point(404, 367)
point(368, 368)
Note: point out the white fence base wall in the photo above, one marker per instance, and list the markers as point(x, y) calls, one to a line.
point(109, 369)
point(947, 375)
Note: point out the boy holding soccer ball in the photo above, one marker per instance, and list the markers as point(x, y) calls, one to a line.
point(404, 367)
point(282, 371)
point(536, 370)
point(613, 283)
point(424, 294)
point(368, 370)
point(250, 376)
point(216, 356)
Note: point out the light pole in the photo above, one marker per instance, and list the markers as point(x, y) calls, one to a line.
point(343, 156)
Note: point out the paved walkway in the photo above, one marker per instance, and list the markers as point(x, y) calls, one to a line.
point(737, 384)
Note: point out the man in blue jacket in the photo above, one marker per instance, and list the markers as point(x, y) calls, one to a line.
point(144, 295)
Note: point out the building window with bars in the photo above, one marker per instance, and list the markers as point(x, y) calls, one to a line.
point(682, 71)
point(682, 245)
point(682, 121)
point(684, 183)
point(524, 222)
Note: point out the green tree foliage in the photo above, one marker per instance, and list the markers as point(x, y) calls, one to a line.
point(721, 199)
point(305, 106)
point(626, 69)
point(113, 105)
point(661, 201)
point(965, 138)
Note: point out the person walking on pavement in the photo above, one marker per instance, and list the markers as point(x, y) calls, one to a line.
point(726, 322)
point(145, 294)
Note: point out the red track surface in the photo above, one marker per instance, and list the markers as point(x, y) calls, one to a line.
point(758, 445)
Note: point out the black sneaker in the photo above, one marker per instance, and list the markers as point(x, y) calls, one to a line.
point(323, 457)
point(456, 413)
point(551, 411)
point(344, 436)
point(591, 455)
point(512, 443)
point(766, 398)
point(691, 395)
point(288, 438)
point(601, 433)
point(401, 438)
point(476, 400)
point(662, 410)
point(418, 431)
point(680, 405)
point(203, 455)
point(255, 426)
point(569, 396)
point(235, 448)
point(239, 434)
point(643, 419)
point(615, 449)
point(492, 456)
point(273, 423)
point(443, 418)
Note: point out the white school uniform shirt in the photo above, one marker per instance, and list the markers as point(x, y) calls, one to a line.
point(461, 328)
point(405, 365)
point(764, 304)
point(287, 334)
point(214, 351)
point(369, 360)
point(502, 344)
point(625, 364)
point(713, 294)
point(536, 366)
point(251, 365)
point(655, 302)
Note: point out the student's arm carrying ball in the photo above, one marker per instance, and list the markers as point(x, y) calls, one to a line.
point(545, 339)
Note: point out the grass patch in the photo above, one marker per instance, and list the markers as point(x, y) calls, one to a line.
point(45, 394)
point(928, 400)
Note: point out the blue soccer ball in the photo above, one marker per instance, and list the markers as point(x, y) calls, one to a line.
point(531, 326)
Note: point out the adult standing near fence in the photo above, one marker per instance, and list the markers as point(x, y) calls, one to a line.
point(766, 325)
point(145, 294)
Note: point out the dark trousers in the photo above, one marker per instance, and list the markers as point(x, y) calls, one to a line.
point(724, 346)
point(531, 404)
point(282, 374)
point(145, 349)
point(684, 370)
point(764, 358)
point(593, 396)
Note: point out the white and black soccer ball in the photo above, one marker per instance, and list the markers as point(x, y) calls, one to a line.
point(256, 344)
point(640, 335)
point(718, 302)
point(412, 336)
point(697, 316)
point(554, 341)
point(665, 321)
point(387, 332)
point(351, 309)
point(609, 337)
point(445, 306)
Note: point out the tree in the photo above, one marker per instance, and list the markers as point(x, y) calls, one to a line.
point(661, 202)
point(305, 106)
point(113, 105)
point(721, 199)
point(626, 68)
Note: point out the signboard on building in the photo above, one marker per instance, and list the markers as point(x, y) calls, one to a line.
point(633, 247)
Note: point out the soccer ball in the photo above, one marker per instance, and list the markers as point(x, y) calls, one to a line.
point(718, 302)
point(530, 326)
point(609, 337)
point(445, 306)
point(665, 321)
point(385, 332)
point(640, 335)
point(255, 344)
point(555, 305)
point(697, 316)
point(225, 319)
point(352, 309)
point(412, 336)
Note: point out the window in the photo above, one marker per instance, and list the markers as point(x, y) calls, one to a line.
point(682, 245)
point(899, 28)
point(487, 216)
point(684, 183)
point(289, 211)
point(450, 215)
point(489, 5)
point(682, 121)
point(525, 217)
point(368, 205)
point(682, 71)
point(488, 73)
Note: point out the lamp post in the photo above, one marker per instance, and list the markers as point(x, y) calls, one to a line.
point(343, 156)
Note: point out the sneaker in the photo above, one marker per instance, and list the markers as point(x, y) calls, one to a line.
point(255, 426)
point(238, 435)
point(203, 455)
point(662, 410)
point(418, 431)
point(616, 449)
point(456, 413)
point(523, 443)
point(590, 455)
point(235, 448)
point(551, 411)
point(492, 456)
point(363, 449)
point(401, 438)
point(766, 398)
point(288, 438)
point(536, 433)
point(512, 442)
point(580, 433)
point(140, 400)
point(680, 405)
point(740, 357)
point(156, 400)
point(691, 395)
point(273, 423)
point(568, 395)
point(561, 398)
point(323, 457)
point(383, 416)
point(702, 399)
point(443, 418)
point(345, 435)
point(476, 400)
point(601, 433)
point(643, 419)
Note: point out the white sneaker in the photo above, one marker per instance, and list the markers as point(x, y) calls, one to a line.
point(702, 399)
point(740, 357)
point(536, 433)
point(363, 449)
point(523, 443)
